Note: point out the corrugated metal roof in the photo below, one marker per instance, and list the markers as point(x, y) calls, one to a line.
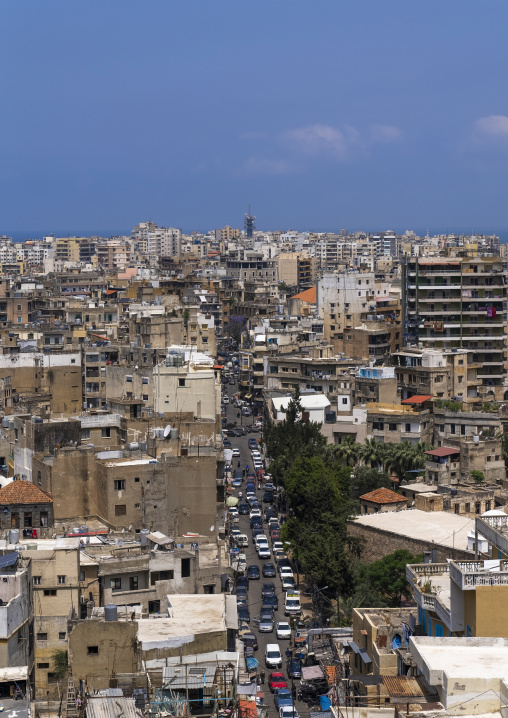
point(406, 687)
point(112, 707)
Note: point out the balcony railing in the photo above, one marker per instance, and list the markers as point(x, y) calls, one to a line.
point(470, 574)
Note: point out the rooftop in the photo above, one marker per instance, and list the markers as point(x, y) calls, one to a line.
point(459, 658)
point(308, 295)
point(383, 496)
point(23, 492)
point(316, 401)
point(443, 451)
point(440, 527)
point(417, 399)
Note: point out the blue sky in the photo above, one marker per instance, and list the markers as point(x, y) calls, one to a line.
point(322, 114)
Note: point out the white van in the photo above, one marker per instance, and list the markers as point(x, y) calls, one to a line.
point(242, 540)
point(273, 658)
point(292, 605)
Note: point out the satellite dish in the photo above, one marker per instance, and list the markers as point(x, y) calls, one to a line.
point(166, 431)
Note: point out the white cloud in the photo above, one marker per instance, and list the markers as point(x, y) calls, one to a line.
point(384, 133)
point(492, 126)
point(314, 139)
point(266, 166)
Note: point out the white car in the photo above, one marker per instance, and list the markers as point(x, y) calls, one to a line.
point(261, 538)
point(288, 583)
point(285, 572)
point(263, 551)
point(277, 546)
point(288, 712)
point(255, 454)
point(255, 512)
point(225, 400)
point(283, 630)
point(236, 452)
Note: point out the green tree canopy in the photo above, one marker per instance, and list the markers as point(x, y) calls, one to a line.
point(365, 479)
point(387, 577)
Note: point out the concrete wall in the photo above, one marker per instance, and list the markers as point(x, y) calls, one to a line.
point(378, 544)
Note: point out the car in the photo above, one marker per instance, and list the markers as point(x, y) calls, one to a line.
point(237, 483)
point(241, 600)
point(276, 545)
point(253, 443)
point(227, 444)
point(256, 521)
point(283, 630)
point(275, 536)
point(257, 531)
point(283, 563)
point(243, 614)
point(253, 573)
point(273, 526)
point(288, 583)
point(263, 552)
point(243, 509)
point(288, 712)
point(249, 640)
point(235, 531)
point(294, 668)
point(285, 572)
point(269, 570)
point(270, 513)
point(242, 582)
point(265, 622)
point(273, 658)
point(255, 512)
point(276, 680)
point(236, 452)
point(225, 399)
point(272, 601)
point(269, 487)
point(292, 605)
point(282, 697)
point(268, 589)
point(243, 628)
point(268, 497)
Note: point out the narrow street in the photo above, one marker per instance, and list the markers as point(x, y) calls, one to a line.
point(255, 600)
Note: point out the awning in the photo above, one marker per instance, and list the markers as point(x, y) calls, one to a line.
point(312, 673)
point(442, 451)
point(13, 673)
point(417, 399)
point(365, 656)
point(354, 647)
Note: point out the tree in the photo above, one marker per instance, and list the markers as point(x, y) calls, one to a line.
point(372, 452)
point(388, 575)
point(292, 438)
point(60, 661)
point(477, 476)
point(235, 328)
point(348, 451)
point(365, 479)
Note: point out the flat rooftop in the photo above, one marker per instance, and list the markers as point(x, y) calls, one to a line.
point(476, 658)
point(188, 615)
point(440, 527)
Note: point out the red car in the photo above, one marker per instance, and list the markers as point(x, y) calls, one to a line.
point(276, 680)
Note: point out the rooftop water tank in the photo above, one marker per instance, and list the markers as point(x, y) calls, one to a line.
point(173, 434)
point(133, 446)
point(144, 537)
point(5, 423)
point(13, 535)
point(110, 612)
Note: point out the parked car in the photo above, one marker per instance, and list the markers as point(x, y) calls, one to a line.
point(242, 582)
point(249, 640)
point(243, 614)
point(268, 589)
point(265, 622)
point(276, 680)
point(268, 497)
point(282, 697)
point(269, 570)
point(294, 667)
point(243, 509)
point(288, 712)
point(273, 658)
point(253, 572)
point(283, 630)
point(236, 452)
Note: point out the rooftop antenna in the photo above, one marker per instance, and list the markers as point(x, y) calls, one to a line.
point(249, 224)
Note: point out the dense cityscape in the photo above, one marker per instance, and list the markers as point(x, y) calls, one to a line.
point(253, 472)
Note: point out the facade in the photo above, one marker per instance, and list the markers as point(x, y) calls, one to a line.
point(455, 302)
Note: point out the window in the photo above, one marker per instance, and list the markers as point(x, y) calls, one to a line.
point(185, 567)
point(344, 400)
point(62, 635)
point(116, 584)
point(36, 580)
point(452, 428)
point(392, 427)
point(120, 510)
point(133, 583)
point(19, 307)
point(106, 432)
point(128, 378)
point(136, 479)
point(53, 678)
point(27, 520)
point(456, 508)
point(61, 580)
point(145, 380)
point(119, 485)
point(81, 575)
point(93, 650)
point(42, 636)
point(50, 591)
point(43, 665)
point(181, 382)
point(137, 506)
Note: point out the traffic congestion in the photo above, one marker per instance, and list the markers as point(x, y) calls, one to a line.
point(268, 598)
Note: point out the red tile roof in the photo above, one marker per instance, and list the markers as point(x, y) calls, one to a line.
point(308, 295)
point(443, 451)
point(417, 399)
point(383, 496)
point(23, 492)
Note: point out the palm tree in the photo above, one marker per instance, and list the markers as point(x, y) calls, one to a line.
point(348, 451)
point(372, 453)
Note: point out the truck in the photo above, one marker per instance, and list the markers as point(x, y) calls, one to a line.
point(292, 606)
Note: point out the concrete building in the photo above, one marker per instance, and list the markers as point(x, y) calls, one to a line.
point(314, 408)
point(377, 634)
point(394, 423)
point(381, 500)
point(25, 507)
point(456, 302)
point(374, 385)
point(16, 612)
point(469, 674)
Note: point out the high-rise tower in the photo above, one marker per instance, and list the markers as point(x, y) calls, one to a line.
point(249, 224)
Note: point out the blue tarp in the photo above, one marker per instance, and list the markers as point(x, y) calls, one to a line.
point(252, 663)
point(325, 703)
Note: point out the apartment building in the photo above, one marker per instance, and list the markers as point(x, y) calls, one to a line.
point(395, 423)
point(374, 385)
point(443, 373)
point(456, 302)
point(16, 612)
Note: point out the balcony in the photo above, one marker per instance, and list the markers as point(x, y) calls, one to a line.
point(470, 574)
point(495, 530)
point(430, 583)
